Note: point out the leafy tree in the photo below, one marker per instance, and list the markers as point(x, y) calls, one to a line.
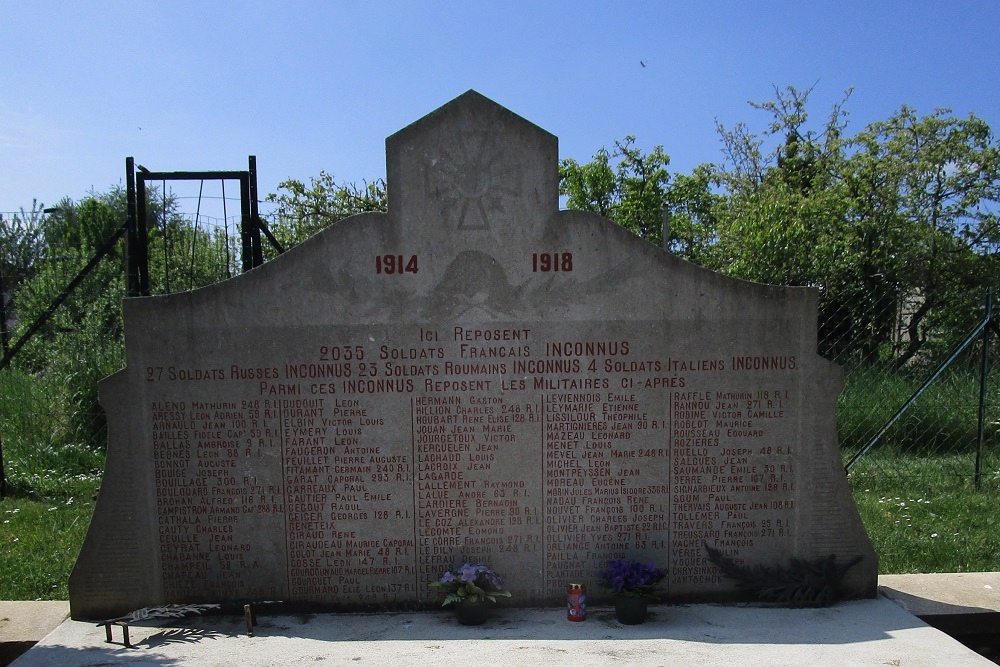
point(83, 339)
point(898, 219)
point(632, 193)
point(74, 233)
point(21, 243)
point(692, 205)
point(779, 219)
point(303, 211)
point(84, 226)
point(942, 175)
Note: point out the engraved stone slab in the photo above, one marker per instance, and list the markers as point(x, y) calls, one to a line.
point(473, 376)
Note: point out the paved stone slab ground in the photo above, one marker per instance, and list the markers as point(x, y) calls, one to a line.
point(30, 621)
point(867, 632)
point(944, 594)
point(24, 623)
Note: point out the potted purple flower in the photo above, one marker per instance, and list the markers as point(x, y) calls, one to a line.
point(634, 584)
point(470, 588)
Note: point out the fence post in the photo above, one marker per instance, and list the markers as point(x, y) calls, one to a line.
point(246, 223)
point(3, 475)
point(137, 232)
point(973, 335)
point(983, 385)
point(4, 334)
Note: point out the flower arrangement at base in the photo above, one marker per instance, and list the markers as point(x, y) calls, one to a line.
point(632, 578)
point(634, 585)
point(471, 583)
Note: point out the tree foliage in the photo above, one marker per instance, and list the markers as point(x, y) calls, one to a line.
point(82, 340)
point(778, 221)
point(21, 242)
point(892, 224)
point(941, 180)
point(692, 208)
point(304, 211)
point(631, 193)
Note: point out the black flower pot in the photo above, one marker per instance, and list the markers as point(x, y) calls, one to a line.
point(631, 610)
point(469, 612)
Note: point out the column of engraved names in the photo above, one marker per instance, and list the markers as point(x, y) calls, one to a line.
point(314, 540)
point(380, 564)
point(729, 479)
point(754, 466)
point(443, 494)
point(695, 483)
point(605, 459)
point(581, 500)
point(233, 492)
point(465, 502)
point(339, 482)
point(756, 502)
point(634, 453)
point(181, 498)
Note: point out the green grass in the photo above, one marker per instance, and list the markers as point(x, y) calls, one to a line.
point(53, 470)
point(39, 542)
point(915, 489)
point(942, 419)
point(924, 514)
point(46, 450)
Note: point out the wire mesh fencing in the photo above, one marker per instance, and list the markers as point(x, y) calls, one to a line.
point(916, 405)
point(63, 331)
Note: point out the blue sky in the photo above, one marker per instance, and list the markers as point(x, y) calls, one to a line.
point(310, 86)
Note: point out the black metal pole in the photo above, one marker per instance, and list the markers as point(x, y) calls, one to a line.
point(3, 475)
point(131, 235)
point(142, 237)
point(4, 334)
point(246, 223)
point(139, 237)
point(258, 250)
point(270, 237)
point(983, 375)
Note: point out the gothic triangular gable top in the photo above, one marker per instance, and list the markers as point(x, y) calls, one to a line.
point(474, 376)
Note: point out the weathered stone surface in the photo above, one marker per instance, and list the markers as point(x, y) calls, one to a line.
point(474, 375)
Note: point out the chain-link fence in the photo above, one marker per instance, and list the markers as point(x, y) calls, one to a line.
point(924, 405)
point(52, 431)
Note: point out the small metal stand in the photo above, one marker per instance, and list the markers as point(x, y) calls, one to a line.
point(110, 639)
point(251, 619)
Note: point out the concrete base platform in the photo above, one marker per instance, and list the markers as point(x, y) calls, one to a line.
point(24, 623)
point(867, 632)
point(964, 605)
point(958, 593)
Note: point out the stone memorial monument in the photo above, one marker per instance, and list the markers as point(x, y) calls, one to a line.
point(472, 376)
